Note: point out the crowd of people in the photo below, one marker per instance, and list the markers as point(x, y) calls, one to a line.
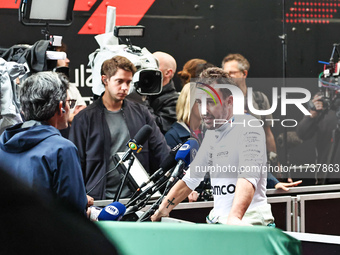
point(77, 167)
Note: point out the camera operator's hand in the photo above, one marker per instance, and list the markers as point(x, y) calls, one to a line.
point(318, 106)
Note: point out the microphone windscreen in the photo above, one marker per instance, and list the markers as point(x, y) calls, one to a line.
point(143, 134)
point(188, 151)
point(112, 212)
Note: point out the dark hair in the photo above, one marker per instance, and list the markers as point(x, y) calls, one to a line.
point(216, 75)
point(111, 66)
point(41, 93)
point(201, 67)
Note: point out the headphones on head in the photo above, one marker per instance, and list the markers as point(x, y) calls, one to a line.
point(63, 110)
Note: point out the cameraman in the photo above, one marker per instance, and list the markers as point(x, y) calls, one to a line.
point(321, 123)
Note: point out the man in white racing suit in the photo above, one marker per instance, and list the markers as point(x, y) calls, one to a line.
point(233, 151)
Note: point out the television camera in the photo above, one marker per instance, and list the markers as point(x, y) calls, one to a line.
point(329, 82)
point(148, 78)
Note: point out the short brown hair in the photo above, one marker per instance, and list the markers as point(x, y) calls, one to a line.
point(216, 75)
point(243, 63)
point(111, 66)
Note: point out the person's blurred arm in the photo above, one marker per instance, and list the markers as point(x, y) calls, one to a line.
point(272, 182)
point(286, 185)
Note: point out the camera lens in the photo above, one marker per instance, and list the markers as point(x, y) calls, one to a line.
point(150, 82)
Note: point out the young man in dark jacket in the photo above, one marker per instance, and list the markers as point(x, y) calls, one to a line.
point(104, 128)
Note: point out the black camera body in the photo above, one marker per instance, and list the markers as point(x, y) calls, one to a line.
point(330, 100)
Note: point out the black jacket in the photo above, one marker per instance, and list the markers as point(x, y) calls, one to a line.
point(176, 134)
point(91, 134)
point(164, 107)
point(322, 127)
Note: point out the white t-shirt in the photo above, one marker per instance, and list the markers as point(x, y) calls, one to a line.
point(234, 150)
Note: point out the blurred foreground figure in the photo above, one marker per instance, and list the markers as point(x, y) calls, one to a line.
point(35, 152)
point(31, 225)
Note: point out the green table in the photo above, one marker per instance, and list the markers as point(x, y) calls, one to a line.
point(170, 238)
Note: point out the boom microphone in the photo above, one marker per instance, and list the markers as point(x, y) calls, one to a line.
point(136, 144)
point(112, 212)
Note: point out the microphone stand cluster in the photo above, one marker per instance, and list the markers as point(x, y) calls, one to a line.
point(146, 216)
point(138, 202)
point(120, 188)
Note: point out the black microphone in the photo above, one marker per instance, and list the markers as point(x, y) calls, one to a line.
point(167, 164)
point(150, 190)
point(136, 144)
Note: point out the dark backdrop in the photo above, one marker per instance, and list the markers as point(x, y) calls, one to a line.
point(210, 30)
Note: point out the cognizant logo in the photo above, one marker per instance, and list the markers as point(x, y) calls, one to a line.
point(238, 102)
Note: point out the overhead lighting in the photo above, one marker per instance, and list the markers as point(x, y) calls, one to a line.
point(46, 12)
point(129, 31)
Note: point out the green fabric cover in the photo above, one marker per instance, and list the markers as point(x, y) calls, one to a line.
point(150, 238)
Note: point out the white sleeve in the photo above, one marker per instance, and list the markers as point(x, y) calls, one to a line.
point(252, 154)
point(192, 183)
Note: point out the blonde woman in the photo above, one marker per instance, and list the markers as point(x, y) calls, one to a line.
point(188, 119)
